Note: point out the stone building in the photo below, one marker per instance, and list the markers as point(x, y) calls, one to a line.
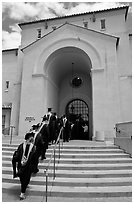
point(78, 65)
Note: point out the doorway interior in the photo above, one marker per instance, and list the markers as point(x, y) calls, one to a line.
point(77, 112)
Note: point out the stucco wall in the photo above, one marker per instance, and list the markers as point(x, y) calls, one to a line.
point(11, 72)
point(111, 27)
point(52, 96)
point(111, 71)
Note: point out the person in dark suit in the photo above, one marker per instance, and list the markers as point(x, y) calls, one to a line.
point(39, 144)
point(45, 137)
point(53, 127)
point(23, 159)
point(65, 129)
point(48, 115)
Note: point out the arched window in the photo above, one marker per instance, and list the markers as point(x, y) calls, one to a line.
point(77, 108)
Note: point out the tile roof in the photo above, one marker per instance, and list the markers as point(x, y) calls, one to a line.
point(73, 15)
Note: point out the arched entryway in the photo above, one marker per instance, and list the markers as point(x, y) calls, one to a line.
point(68, 73)
point(77, 112)
point(52, 73)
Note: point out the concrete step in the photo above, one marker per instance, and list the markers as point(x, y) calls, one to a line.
point(79, 166)
point(40, 180)
point(62, 175)
point(100, 199)
point(84, 160)
point(80, 173)
point(72, 149)
point(115, 191)
point(84, 173)
point(67, 147)
point(97, 151)
point(82, 155)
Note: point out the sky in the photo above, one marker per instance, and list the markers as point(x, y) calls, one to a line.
point(18, 12)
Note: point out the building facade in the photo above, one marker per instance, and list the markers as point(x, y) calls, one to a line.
point(77, 65)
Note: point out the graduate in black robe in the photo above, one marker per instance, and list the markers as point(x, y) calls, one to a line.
point(23, 160)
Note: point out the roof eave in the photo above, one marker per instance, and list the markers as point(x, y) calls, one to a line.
point(74, 15)
point(12, 49)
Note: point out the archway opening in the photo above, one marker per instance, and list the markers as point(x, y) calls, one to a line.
point(65, 85)
point(77, 112)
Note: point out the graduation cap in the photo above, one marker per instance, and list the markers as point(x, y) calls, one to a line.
point(36, 126)
point(49, 109)
point(45, 118)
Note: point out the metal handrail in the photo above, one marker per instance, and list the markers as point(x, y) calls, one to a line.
point(53, 156)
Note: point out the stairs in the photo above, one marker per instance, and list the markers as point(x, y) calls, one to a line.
point(88, 171)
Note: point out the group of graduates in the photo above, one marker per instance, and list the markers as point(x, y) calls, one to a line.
point(26, 158)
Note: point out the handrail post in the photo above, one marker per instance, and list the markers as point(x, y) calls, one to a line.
point(11, 133)
point(54, 165)
point(46, 182)
point(59, 148)
point(62, 136)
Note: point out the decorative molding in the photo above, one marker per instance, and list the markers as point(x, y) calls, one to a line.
point(45, 77)
point(97, 70)
point(39, 75)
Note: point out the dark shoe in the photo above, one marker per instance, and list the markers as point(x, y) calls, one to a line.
point(15, 175)
point(36, 171)
point(43, 158)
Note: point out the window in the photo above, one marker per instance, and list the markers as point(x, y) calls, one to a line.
point(77, 108)
point(130, 36)
point(46, 25)
point(85, 24)
point(103, 26)
point(39, 33)
point(7, 85)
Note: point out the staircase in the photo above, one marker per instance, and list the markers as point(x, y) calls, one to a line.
point(88, 171)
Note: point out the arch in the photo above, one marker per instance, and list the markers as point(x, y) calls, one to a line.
point(68, 98)
point(76, 107)
point(57, 53)
point(83, 45)
point(57, 98)
point(77, 112)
